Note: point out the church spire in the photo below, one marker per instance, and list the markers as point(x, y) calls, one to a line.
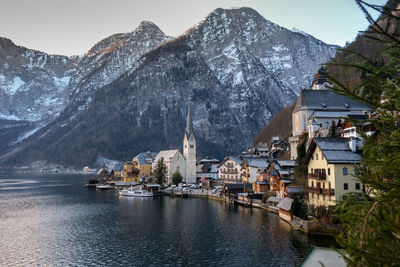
point(189, 124)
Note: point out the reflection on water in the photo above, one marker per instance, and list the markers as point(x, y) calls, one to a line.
point(45, 223)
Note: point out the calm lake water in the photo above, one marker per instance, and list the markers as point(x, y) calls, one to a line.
point(53, 220)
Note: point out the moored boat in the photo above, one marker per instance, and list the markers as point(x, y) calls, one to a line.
point(135, 193)
point(104, 186)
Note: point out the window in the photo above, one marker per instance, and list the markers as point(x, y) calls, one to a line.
point(311, 170)
point(322, 156)
point(329, 171)
point(357, 186)
point(316, 156)
point(185, 146)
point(345, 171)
point(191, 146)
point(312, 183)
point(345, 186)
point(312, 157)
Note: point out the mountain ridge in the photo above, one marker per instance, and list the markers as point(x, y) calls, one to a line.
point(239, 67)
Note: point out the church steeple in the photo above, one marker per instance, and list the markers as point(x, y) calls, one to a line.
point(189, 148)
point(189, 124)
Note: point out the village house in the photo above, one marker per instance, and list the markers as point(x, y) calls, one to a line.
point(285, 206)
point(143, 163)
point(317, 107)
point(276, 177)
point(251, 166)
point(130, 173)
point(331, 168)
point(207, 170)
point(229, 170)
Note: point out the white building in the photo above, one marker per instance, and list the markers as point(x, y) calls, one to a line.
point(173, 160)
point(229, 170)
point(317, 107)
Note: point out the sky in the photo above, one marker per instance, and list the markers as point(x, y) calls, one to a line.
point(72, 27)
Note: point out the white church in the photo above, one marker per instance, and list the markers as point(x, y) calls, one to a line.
point(175, 161)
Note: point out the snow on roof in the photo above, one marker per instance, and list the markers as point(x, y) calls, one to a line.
point(146, 157)
point(287, 163)
point(285, 204)
point(274, 199)
point(257, 162)
point(166, 154)
point(214, 168)
point(319, 256)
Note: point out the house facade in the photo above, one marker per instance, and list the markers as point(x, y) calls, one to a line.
point(229, 170)
point(331, 166)
point(143, 162)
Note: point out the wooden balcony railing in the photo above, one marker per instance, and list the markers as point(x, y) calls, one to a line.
point(317, 176)
point(321, 191)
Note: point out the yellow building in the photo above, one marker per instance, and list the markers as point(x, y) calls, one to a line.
point(331, 168)
point(143, 162)
point(130, 173)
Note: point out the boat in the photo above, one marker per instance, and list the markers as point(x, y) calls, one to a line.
point(135, 193)
point(104, 186)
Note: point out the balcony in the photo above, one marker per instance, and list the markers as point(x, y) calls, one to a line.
point(322, 191)
point(317, 176)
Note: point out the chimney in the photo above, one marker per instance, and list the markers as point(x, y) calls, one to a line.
point(353, 145)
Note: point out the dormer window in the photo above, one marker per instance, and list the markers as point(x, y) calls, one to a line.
point(323, 105)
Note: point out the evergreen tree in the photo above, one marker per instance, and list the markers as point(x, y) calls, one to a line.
point(300, 172)
point(371, 221)
point(160, 172)
point(333, 130)
point(176, 178)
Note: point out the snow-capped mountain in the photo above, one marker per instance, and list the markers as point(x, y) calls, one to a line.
point(110, 58)
point(32, 83)
point(240, 69)
point(35, 87)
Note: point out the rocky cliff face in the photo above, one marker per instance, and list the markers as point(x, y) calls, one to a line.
point(35, 87)
point(239, 68)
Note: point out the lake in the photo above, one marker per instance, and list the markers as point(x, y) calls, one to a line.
point(53, 220)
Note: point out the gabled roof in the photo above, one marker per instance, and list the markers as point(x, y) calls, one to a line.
point(257, 162)
point(237, 160)
point(327, 100)
point(285, 204)
point(287, 163)
point(144, 157)
point(335, 150)
point(166, 154)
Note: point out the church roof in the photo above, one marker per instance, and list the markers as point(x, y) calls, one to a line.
point(166, 154)
point(327, 100)
point(189, 124)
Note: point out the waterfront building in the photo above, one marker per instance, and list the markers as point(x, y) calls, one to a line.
point(173, 160)
point(284, 207)
point(317, 107)
point(143, 163)
point(130, 173)
point(331, 168)
point(229, 170)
